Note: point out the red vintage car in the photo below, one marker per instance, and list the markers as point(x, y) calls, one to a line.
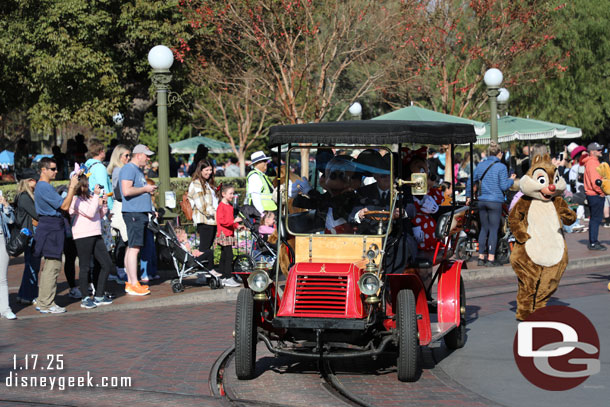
point(350, 290)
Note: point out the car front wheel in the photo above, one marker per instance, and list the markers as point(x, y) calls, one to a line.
point(245, 336)
point(408, 362)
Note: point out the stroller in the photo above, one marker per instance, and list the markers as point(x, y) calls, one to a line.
point(255, 248)
point(184, 263)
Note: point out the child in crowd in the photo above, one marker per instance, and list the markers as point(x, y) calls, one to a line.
point(186, 245)
point(267, 226)
point(87, 212)
point(226, 224)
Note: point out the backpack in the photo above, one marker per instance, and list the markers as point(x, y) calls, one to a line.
point(187, 209)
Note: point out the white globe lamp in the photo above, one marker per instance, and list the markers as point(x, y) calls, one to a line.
point(503, 96)
point(160, 58)
point(355, 109)
point(493, 78)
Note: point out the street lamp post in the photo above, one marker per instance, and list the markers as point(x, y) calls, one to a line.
point(161, 59)
point(493, 80)
point(356, 110)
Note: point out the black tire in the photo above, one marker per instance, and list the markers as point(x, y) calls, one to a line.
point(461, 250)
point(245, 336)
point(177, 287)
point(242, 263)
point(503, 251)
point(408, 361)
point(214, 283)
point(456, 338)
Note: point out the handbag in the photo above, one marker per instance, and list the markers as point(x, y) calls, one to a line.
point(18, 242)
point(186, 207)
point(477, 184)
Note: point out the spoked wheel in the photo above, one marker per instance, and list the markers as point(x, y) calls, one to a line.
point(242, 264)
point(463, 247)
point(408, 362)
point(457, 337)
point(245, 336)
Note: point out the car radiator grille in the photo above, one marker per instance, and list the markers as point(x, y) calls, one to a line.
point(324, 295)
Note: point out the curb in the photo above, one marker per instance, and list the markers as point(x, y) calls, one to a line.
point(507, 270)
point(200, 297)
point(230, 294)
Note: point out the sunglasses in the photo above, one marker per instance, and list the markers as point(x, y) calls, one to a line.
point(52, 169)
point(127, 155)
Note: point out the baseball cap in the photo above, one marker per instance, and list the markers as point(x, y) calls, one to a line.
point(594, 146)
point(29, 173)
point(141, 149)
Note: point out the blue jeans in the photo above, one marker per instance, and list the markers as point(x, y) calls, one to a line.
point(148, 256)
point(490, 214)
point(29, 282)
point(596, 205)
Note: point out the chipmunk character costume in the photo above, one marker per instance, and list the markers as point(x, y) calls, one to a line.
point(540, 255)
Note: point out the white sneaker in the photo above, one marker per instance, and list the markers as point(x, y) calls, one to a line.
point(75, 293)
point(229, 282)
point(9, 315)
point(215, 273)
point(55, 309)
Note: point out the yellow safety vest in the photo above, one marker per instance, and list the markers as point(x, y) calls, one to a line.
point(266, 193)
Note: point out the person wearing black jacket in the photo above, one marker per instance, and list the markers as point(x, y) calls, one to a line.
point(25, 218)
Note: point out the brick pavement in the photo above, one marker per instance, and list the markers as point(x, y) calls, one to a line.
point(168, 353)
point(168, 350)
point(375, 381)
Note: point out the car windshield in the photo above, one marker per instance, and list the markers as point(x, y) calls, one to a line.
point(345, 183)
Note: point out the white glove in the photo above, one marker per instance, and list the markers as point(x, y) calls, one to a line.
point(300, 187)
point(418, 233)
point(428, 205)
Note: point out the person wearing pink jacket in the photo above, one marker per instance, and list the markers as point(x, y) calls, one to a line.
point(87, 212)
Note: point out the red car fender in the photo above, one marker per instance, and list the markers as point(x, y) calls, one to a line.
point(448, 292)
point(412, 282)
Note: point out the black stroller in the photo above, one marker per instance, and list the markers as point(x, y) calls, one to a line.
point(256, 248)
point(184, 263)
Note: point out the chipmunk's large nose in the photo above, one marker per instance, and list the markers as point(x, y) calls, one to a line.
point(552, 187)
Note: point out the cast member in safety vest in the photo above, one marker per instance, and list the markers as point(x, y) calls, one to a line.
point(258, 186)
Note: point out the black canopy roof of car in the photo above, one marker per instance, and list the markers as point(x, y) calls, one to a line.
point(373, 132)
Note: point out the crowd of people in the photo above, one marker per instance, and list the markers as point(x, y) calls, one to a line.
point(107, 190)
point(113, 190)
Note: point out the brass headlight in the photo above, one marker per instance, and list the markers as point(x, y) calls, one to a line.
point(258, 281)
point(369, 284)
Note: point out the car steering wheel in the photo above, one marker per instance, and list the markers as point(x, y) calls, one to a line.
point(377, 216)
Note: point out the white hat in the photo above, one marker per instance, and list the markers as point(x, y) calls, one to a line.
point(141, 149)
point(258, 156)
point(571, 147)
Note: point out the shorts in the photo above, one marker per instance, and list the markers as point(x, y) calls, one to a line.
point(136, 227)
point(607, 201)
